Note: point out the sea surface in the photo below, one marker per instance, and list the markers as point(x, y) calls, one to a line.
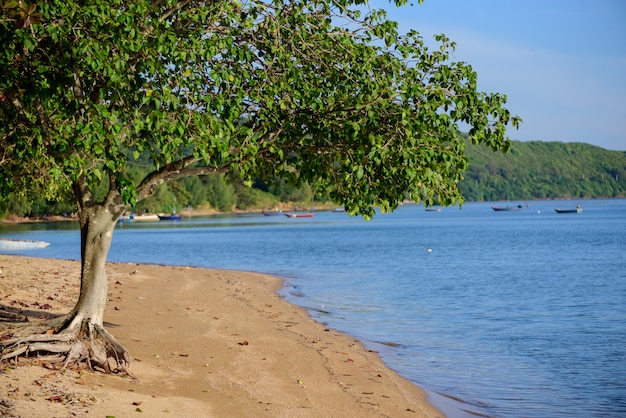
point(503, 314)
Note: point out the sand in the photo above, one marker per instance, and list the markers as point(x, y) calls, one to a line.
point(205, 343)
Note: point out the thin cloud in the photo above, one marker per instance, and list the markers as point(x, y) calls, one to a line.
point(566, 85)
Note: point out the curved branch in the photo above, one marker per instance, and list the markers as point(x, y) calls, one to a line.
point(178, 6)
point(175, 170)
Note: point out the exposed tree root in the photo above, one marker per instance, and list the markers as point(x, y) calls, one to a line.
point(90, 345)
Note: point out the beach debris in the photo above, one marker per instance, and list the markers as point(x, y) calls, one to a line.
point(243, 343)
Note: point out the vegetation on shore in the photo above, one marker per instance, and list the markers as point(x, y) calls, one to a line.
point(531, 170)
point(544, 170)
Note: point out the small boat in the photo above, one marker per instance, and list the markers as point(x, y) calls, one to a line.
point(432, 209)
point(146, 217)
point(126, 218)
point(577, 209)
point(506, 208)
point(277, 213)
point(21, 244)
point(339, 210)
point(299, 215)
point(172, 217)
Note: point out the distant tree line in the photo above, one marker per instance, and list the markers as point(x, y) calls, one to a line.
point(544, 170)
point(531, 170)
point(211, 192)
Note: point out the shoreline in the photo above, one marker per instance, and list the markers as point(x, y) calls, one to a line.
point(323, 207)
point(205, 342)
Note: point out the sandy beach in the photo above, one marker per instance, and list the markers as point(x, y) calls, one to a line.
point(205, 343)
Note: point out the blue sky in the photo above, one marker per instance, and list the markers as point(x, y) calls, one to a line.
point(562, 64)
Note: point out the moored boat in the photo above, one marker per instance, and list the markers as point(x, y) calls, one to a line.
point(299, 215)
point(171, 217)
point(146, 217)
point(21, 244)
point(577, 209)
point(506, 208)
point(276, 213)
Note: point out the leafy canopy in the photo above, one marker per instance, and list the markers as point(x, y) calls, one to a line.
point(307, 90)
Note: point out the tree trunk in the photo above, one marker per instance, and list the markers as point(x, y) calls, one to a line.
point(96, 232)
point(82, 337)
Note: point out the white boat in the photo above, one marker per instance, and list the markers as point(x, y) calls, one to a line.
point(146, 217)
point(21, 244)
point(126, 218)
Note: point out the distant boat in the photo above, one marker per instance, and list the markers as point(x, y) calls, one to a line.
point(432, 209)
point(577, 209)
point(172, 217)
point(506, 208)
point(299, 215)
point(339, 210)
point(21, 244)
point(146, 217)
point(276, 213)
point(126, 218)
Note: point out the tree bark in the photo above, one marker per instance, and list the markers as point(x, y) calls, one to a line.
point(82, 337)
point(97, 223)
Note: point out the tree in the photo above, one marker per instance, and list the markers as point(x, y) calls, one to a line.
point(306, 90)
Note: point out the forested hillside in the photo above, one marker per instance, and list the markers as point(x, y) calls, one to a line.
point(544, 170)
point(531, 170)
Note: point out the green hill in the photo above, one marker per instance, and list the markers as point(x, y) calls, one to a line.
point(544, 170)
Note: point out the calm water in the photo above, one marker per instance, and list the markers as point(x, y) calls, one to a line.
point(517, 314)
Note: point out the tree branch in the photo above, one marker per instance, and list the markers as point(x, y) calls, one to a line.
point(172, 10)
point(175, 170)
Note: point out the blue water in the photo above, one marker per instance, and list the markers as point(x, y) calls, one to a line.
point(517, 314)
